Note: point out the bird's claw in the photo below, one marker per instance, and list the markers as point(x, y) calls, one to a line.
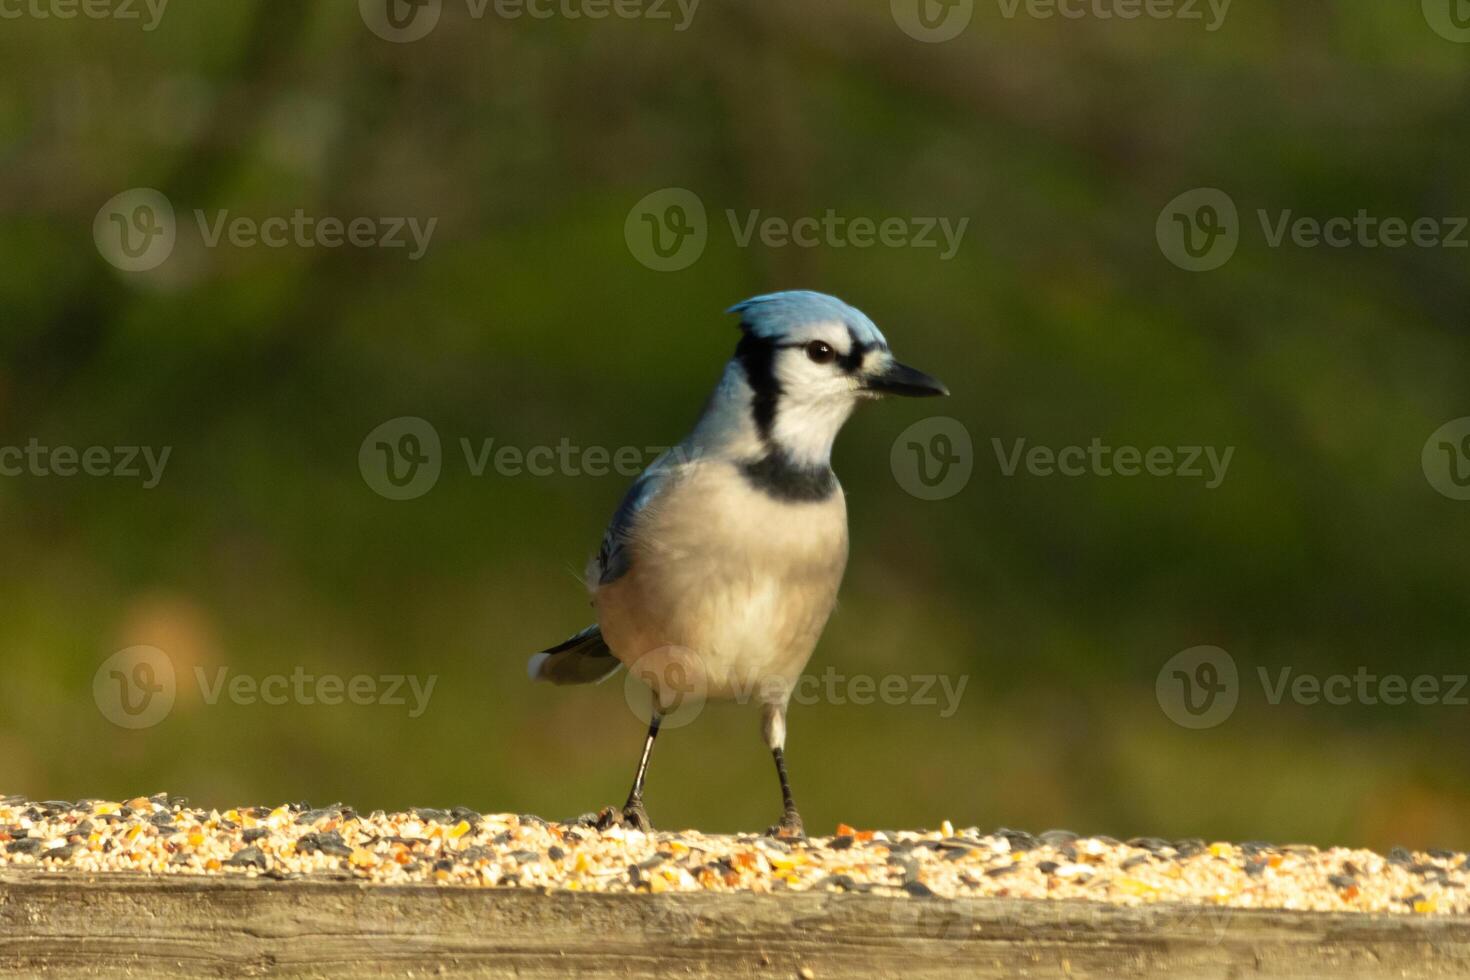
point(790, 827)
point(631, 817)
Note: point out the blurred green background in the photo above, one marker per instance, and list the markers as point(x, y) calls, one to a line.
point(531, 320)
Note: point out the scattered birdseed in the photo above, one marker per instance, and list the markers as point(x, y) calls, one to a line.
point(460, 847)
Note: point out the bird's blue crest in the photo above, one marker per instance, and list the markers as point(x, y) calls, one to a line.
point(776, 315)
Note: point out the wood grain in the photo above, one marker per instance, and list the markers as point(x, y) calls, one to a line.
point(124, 925)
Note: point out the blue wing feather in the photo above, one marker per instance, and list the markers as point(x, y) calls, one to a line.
point(615, 557)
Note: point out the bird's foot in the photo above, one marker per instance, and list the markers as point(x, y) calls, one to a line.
point(789, 828)
point(631, 817)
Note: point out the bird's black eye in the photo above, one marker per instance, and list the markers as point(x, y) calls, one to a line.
point(820, 352)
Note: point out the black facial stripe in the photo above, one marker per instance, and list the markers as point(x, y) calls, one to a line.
point(849, 362)
point(758, 357)
point(777, 476)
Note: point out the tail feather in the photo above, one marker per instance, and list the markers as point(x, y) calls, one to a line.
point(583, 659)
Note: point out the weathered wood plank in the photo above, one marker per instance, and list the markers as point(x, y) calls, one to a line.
point(149, 926)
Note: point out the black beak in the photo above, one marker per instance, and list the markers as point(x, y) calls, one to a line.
point(900, 379)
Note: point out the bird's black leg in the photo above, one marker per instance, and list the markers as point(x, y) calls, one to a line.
point(633, 815)
point(790, 825)
point(773, 726)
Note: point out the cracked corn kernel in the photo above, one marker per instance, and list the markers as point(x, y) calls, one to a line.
point(458, 830)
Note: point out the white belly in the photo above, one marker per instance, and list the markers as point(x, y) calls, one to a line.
point(727, 582)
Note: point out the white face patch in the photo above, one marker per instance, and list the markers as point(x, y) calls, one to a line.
point(816, 398)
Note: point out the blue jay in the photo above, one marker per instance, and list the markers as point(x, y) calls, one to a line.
point(721, 566)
